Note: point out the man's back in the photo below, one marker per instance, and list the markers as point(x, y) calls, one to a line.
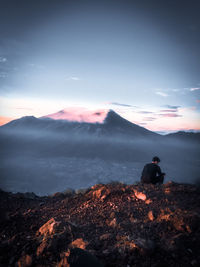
point(150, 172)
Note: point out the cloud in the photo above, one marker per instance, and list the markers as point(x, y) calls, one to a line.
point(171, 115)
point(171, 107)
point(3, 59)
point(72, 78)
point(195, 89)
point(171, 111)
point(120, 104)
point(81, 114)
point(145, 112)
point(168, 110)
point(149, 119)
point(162, 94)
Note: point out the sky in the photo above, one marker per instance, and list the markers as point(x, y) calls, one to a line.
point(140, 58)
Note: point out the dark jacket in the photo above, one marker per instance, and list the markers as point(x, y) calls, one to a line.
point(150, 172)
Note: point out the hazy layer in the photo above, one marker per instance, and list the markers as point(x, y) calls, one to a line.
point(45, 162)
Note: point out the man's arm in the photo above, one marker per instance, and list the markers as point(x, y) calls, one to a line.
point(159, 170)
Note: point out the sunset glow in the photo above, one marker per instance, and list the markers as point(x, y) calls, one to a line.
point(4, 120)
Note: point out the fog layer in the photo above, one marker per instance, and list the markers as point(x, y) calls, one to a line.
point(45, 161)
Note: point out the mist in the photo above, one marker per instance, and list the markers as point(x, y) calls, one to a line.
point(45, 161)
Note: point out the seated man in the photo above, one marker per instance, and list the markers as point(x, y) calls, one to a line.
point(151, 173)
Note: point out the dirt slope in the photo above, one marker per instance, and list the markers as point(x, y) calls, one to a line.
point(113, 225)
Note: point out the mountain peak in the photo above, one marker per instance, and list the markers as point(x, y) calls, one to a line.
point(114, 118)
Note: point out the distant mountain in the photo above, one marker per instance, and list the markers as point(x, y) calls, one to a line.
point(185, 136)
point(113, 122)
point(112, 125)
point(103, 123)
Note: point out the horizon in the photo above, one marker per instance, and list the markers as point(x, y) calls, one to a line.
point(140, 60)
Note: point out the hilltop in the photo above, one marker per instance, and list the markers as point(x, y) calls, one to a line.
point(112, 225)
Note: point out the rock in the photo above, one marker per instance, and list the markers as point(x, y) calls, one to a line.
point(24, 261)
point(64, 259)
point(99, 192)
point(105, 236)
point(48, 228)
point(78, 243)
point(148, 201)
point(113, 223)
point(53, 235)
point(140, 195)
point(124, 244)
point(150, 215)
point(42, 247)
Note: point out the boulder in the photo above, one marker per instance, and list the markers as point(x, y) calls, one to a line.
point(48, 228)
point(53, 235)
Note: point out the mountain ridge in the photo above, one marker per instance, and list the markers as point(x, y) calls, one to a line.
point(112, 123)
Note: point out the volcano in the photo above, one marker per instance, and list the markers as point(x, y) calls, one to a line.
point(96, 122)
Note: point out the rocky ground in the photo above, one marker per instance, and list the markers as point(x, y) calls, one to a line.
point(105, 225)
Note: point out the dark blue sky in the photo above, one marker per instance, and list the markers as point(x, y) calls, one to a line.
point(102, 53)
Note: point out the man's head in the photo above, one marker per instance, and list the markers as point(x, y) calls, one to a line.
point(155, 160)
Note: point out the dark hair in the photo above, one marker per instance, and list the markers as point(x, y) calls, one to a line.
point(156, 159)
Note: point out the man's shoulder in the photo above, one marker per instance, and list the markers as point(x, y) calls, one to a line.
point(149, 164)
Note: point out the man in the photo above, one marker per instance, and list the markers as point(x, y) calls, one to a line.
point(151, 173)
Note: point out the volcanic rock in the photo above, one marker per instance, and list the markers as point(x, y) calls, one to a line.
point(111, 225)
